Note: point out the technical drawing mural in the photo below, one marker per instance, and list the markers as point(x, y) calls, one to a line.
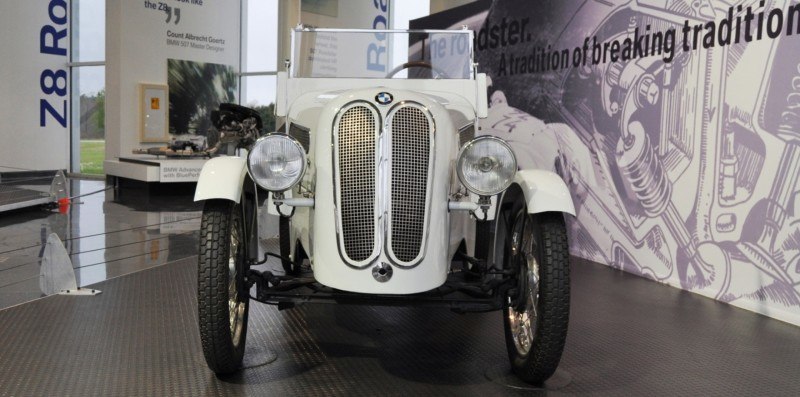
point(683, 171)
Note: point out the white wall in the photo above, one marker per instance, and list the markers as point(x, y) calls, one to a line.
point(404, 11)
point(400, 13)
point(137, 52)
point(361, 14)
point(26, 139)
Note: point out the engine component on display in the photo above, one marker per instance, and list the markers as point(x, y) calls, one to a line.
point(194, 143)
point(238, 127)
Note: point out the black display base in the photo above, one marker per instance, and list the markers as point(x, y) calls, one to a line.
point(148, 195)
point(123, 185)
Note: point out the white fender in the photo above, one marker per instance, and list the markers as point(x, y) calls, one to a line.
point(544, 191)
point(222, 178)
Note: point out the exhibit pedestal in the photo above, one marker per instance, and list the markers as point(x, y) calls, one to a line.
point(150, 169)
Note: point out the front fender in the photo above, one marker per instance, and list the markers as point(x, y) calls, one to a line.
point(222, 178)
point(544, 191)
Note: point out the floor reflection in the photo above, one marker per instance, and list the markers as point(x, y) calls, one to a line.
point(107, 236)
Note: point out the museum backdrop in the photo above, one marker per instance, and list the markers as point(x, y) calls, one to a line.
point(684, 164)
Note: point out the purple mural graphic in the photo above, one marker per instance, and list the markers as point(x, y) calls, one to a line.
point(684, 171)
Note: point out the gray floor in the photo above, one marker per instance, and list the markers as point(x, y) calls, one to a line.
point(628, 336)
point(106, 237)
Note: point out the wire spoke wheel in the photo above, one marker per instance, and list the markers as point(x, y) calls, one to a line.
point(537, 311)
point(236, 305)
point(522, 316)
point(222, 300)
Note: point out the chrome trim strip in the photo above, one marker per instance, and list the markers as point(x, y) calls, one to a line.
point(350, 30)
point(295, 202)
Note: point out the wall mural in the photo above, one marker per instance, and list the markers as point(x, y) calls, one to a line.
point(683, 161)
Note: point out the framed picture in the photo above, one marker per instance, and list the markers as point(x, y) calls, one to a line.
point(154, 110)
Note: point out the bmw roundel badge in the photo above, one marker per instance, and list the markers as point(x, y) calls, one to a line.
point(384, 98)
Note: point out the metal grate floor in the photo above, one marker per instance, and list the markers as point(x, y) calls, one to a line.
point(628, 336)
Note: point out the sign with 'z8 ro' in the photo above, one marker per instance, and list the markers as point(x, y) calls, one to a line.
point(53, 40)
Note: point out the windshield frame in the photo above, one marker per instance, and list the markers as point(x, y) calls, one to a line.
point(300, 29)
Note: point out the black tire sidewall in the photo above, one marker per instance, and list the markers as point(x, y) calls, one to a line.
point(552, 312)
point(285, 240)
point(222, 355)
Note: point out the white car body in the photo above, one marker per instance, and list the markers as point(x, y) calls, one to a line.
point(381, 183)
point(316, 223)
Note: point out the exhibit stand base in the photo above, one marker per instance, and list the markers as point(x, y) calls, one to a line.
point(151, 169)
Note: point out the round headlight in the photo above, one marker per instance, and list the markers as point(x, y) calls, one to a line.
point(277, 162)
point(486, 165)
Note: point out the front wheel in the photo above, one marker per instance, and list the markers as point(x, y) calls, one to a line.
point(537, 315)
point(222, 299)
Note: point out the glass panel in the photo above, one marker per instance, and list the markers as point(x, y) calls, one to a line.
point(258, 92)
point(372, 54)
point(261, 36)
point(89, 84)
point(89, 31)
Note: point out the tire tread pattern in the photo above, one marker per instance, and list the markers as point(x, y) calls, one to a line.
point(553, 316)
point(221, 355)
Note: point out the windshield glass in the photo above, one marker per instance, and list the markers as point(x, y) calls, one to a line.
point(382, 54)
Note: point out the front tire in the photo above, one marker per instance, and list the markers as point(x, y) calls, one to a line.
point(536, 318)
point(222, 299)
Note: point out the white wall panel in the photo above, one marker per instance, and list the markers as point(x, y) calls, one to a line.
point(33, 105)
point(137, 50)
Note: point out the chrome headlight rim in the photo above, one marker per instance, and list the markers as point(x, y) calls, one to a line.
point(460, 161)
point(300, 149)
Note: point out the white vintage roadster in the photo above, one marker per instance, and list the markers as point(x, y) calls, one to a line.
point(385, 196)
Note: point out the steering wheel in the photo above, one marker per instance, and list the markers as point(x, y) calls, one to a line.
point(440, 74)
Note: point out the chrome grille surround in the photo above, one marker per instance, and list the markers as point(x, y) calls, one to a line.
point(355, 136)
point(411, 129)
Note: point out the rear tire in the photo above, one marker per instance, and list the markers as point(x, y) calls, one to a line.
point(536, 320)
point(222, 298)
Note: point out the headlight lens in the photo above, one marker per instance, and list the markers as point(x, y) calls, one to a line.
point(486, 165)
point(277, 162)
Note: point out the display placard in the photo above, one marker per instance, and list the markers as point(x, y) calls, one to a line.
point(154, 109)
point(180, 170)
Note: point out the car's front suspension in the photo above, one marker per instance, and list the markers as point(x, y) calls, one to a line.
point(457, 293)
